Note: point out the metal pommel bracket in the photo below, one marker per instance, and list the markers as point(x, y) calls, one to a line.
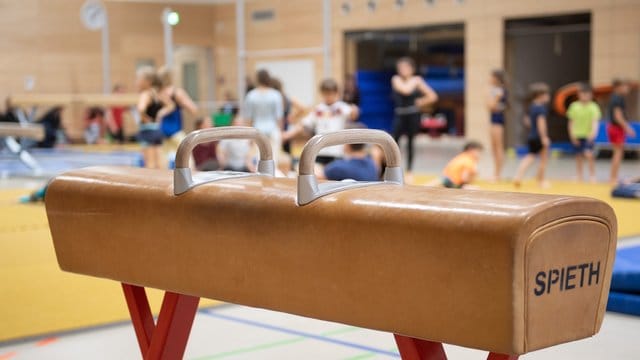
point(308, 187)
point(183, 180)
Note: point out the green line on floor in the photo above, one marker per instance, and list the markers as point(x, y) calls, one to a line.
point(366, 355)
point(341, 330)
point(253, 348)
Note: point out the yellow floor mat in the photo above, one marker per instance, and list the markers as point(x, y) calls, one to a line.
point(625, 209)
point(36, 297)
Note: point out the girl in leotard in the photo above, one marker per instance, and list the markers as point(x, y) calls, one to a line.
point(171, 125)
point(497, 105)
point(410, 93)
point(152, 107)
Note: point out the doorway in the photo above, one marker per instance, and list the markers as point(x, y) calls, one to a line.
point(193, 71)
point(553, 49)
point(438, 52)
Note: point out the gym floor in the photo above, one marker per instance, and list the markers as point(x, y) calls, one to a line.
point(43, 317)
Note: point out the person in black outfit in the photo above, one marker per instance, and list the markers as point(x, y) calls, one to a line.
point(52, 121)
point(410, 93)
point(153, 107)
point(9, 112)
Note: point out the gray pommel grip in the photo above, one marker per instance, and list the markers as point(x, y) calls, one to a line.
point(308, 187)
point(182, 177)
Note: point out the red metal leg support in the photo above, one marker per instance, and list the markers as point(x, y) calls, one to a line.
point(168, 339)
point(417, 349)
point(494, 356)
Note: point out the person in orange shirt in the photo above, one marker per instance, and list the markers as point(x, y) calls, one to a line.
point(462, 169)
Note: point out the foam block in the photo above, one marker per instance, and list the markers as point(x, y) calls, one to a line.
point(631, 191)
point(626, 271)
point(625, 303)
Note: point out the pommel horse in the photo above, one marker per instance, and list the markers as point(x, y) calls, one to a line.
point(507, 273)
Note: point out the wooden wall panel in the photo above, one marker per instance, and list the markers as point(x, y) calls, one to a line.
point(46, 39)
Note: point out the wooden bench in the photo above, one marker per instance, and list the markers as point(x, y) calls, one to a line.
point(30, 99)
point(507, 273)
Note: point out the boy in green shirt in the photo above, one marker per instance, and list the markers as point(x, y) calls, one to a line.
point(584, 115)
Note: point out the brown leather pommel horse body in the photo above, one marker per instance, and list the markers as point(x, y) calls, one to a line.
point(507, 273)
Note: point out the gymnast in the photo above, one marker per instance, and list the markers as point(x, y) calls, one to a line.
point(462, 169)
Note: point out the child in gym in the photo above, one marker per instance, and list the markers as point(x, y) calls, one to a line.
point(152, 106)
point(204, 155)
point(461, 171)
point(410, 94)
point(357, 164)
point(538, 138)
point(618, 125)
point(583, 115)
point(497, 105)
point(330, 115)
point(236, 154)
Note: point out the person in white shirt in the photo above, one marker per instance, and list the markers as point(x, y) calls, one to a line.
point(236, 154)
point(263, 109)
point(328, 116)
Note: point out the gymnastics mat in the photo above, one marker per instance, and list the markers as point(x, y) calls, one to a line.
point(631, 191)
point(626, 271)
point(626, 303)
point(625, 282)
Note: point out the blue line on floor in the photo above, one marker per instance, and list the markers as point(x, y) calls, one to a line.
point(212, 313)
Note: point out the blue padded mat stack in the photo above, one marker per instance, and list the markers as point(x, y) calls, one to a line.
point(625, 284)
point(630, 191)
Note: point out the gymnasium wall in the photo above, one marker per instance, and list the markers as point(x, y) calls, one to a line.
point(615, 36)
point(46, 39)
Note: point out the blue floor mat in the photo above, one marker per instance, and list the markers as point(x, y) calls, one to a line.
point(625, 303)
point(631, 191)
point(56, 161)
point(626, 271)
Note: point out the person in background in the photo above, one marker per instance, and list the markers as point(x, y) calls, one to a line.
point(263, 109)
point(291, 109)
point(115, 118)
point(236, 154)
point(410, 93)
point(583, 116)
point(462, 170)
point(153, 106)
point(618, 125)
point(35, 196)
point(538, 138)
point(497, 105)
point(171, 123)
point(94, 125)
point(52, 122)
point(357, 164)
point(204, 155)
point(9, 112)
point(328, 116)
point(351, 93)
point(229, 107)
